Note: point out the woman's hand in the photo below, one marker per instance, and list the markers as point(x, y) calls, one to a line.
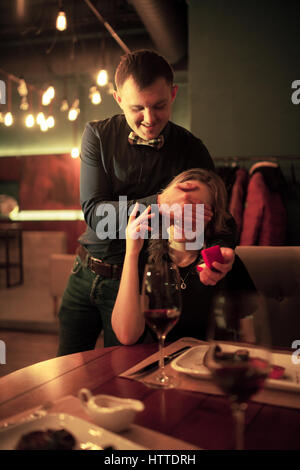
point(211, 278)
point(136, 229)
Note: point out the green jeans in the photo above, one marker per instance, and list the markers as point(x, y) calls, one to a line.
point(86, 310)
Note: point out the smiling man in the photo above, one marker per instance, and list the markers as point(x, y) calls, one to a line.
point(131, 156)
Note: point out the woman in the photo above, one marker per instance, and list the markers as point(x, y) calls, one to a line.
point(198, 285)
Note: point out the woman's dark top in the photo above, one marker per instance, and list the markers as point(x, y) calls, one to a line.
point(198, 300)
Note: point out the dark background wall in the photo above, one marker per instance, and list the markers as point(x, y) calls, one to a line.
point(243, 58)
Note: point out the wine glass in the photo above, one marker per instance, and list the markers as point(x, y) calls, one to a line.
point(239, 352)
point(161, 299)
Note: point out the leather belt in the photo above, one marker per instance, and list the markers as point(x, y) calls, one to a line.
point(97, 266)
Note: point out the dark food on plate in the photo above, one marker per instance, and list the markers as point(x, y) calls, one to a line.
point(47, 440)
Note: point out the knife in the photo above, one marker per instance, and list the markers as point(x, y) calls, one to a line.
point(155, 364)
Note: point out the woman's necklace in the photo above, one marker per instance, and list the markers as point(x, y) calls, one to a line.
point(183, 284)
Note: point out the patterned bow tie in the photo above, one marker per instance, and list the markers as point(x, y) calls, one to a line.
point(156, 143)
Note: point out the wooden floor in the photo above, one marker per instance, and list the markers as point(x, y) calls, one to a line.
point(25, 348)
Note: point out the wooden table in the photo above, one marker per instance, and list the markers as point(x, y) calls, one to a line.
point(198, 418)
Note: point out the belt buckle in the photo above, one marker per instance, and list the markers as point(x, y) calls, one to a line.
point(95, 260)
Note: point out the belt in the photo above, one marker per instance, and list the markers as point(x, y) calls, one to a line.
point(97, 266)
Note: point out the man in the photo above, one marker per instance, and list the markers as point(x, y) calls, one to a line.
point(127, 158)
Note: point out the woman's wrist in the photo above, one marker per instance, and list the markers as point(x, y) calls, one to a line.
point(132, 255)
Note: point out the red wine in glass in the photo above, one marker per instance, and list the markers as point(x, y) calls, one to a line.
point(241, 381)
point(161, 321)
point(161, 296)
point(240, 374)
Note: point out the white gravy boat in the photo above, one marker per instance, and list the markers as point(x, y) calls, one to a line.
point(109, 412)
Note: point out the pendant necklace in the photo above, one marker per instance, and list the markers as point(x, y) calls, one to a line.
point(183, 284)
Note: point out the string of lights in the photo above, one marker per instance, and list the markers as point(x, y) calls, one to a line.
point(39, 110)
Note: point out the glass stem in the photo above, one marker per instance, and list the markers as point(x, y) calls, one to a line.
point(161, 355)
point(238, 411)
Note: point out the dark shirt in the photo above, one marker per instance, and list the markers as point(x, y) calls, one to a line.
point(200, 301)
point(112, 167)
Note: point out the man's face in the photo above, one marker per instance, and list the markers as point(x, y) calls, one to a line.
point(147, 111)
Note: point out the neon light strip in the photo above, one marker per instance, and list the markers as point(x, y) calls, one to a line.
point(47, 215)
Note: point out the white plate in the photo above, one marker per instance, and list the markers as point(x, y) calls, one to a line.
point(87, 435)
point(191, 363)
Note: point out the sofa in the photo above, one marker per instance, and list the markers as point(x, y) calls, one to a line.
point(276, 274)
point(274, 270)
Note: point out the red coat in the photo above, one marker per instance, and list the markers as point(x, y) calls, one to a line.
point(265, 219)
point(238, 196)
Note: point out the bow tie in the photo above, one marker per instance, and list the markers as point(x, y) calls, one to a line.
point(156, 143)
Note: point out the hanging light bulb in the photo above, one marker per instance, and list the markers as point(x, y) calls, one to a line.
point(94, 95)
point(51, 92)
point(22, 88)
point(102, 77)
point(50, 122)
point(1, 118)
point(74, 111)
point(75, 152)
point(61, 20)
point(8, 119)
point(40, 118)
point(96, 98)
point(24, 103)
point(64, 105)
point(46, 100)
point(29, 120)
point(73, 114)
point(48, 96)
point(44, 126)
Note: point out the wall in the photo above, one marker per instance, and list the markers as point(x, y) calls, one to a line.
point(243, 58)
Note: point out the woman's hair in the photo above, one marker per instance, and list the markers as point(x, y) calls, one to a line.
point(158, 248)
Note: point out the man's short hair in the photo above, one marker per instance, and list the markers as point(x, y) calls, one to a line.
point(145, 67)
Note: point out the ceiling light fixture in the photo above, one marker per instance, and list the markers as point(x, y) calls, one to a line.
point(22, 88)
point(24, 106)
point(8, 119)
point(102, 78)
point(61, 20)
point(50, 122)
point(94, 95)
point(29, 120)
point(64, 105)
point(74, 111)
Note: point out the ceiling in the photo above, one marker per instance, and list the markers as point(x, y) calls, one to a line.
point(31, 46)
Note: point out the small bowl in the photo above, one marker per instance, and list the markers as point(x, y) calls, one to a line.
point(112, 413)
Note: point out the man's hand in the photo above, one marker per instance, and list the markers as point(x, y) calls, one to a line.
point(211, 278)
point(181, 194)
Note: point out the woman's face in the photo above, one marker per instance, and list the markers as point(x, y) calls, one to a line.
point(198, 193)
